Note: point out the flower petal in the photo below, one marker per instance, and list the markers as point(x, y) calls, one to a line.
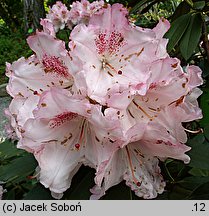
point(140, 171)
point(43, 43)
point(143, 173)
point(161, 28)
point(27, 77)
point(58, 164)
point(115, 52)
point(194, 74)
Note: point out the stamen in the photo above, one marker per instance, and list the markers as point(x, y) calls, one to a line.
point(104, 64)
point(111, 67)
point(194, 132)
point(130, 113)
point(150, 117)
point(33, 177)
point(132, 170)
point(136, 53)
point(34, 92)
point(77, 145)
point(178, 101)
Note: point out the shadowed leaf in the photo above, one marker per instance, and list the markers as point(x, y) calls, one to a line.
point(175, 33)
point(191, 36)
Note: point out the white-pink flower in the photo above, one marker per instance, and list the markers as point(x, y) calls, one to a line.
point(170, 101)
point(72, 130)
point(19, 111)
point(115, 101)
point(116, 55)
point(58, 15)
point(45, 69)
point(81, 12)
point(140, 171)
point(48, 27)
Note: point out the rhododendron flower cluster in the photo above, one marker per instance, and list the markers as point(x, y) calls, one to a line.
point(113, 99)
point(82, 11)
point(60, 17)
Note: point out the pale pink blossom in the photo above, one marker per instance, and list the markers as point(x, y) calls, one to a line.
point(19, 111)
point(141, 173)
point(48, 27)
point(58, 15)
point(72, 130)
point(47, 68)
point(170, 100)
point(115, 54)
point(81, 12)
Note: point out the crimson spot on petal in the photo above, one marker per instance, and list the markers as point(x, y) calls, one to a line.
point(120, 72)
point(138, 184)
point(77, 146)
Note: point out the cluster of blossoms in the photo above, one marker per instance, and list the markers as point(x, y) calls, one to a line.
point(60, 17)
point(113, 100)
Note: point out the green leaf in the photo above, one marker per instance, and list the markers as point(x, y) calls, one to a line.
point(9, 195)
point(138, 6)
point(199, 5)
point(198, 139)
point(204, 104)
point(8, 150)
point(30, 30)
point(193, 182)
point(18, 169)
point(82, 182)
point(199, 172)
point(191, 37)
point(174, 169)
point(201, 193)
point(119, 192)
point(190, 2)
point(179, 193)
point(206, 132)
point(204, 65)
point(163, 196)
point(39, 192)
point(183, 8)
point(175, 33)
point(199, 154)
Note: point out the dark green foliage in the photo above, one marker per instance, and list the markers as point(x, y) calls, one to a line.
point(38, 192)
point(178, 27)
point(13, 45)
point(16, 166)
point(191, 38)
point(11, 12)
